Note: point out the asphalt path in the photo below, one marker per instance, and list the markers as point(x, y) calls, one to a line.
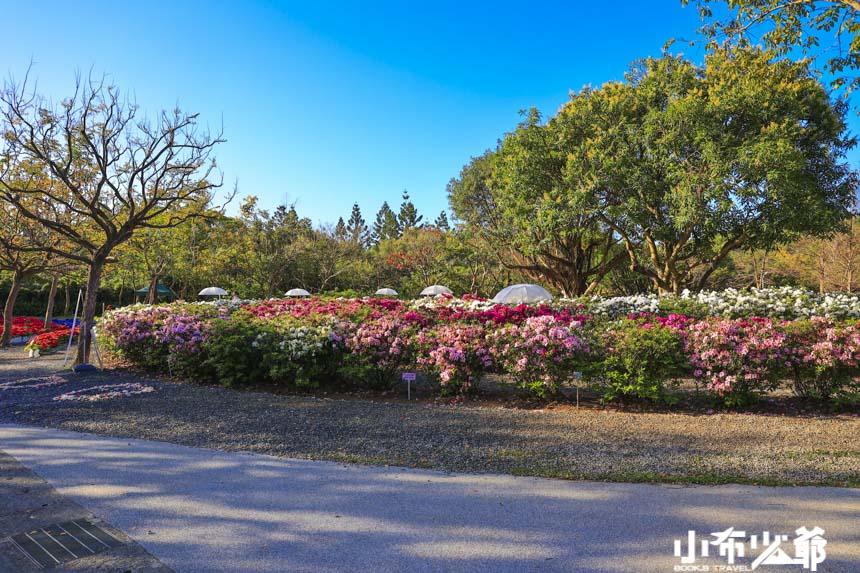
point(205, 510)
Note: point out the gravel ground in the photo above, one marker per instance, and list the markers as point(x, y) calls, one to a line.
point(564, 442)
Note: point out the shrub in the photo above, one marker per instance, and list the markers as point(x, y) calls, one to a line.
point(540, 353)
point(824, 358)
point(640, 358)
point(182, 335)
point(673, 305)
point(132, 333)
point(302, 355)
point(237, 348)
point(738, 359)
point(377, 349)
point(455, 354)
point(307, 342)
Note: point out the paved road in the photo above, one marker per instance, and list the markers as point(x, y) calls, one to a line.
point(28, 503)
point(204, 510)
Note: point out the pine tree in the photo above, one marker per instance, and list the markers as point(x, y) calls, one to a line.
point(408, 217)
point(442, 222)
point(386, 225)
point(356, 227)
point(340, 232)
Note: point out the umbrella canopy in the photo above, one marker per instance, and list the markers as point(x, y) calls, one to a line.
point(522, 294)
point(212, 291)
point(298, 292)
point(160, 290)
point(435, 290)
point(386, 292)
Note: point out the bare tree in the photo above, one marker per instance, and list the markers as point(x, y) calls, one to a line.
point(93, 170)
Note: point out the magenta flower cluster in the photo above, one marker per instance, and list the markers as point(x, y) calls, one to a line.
point(738, 355)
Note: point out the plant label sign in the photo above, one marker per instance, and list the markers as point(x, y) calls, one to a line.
point(409, 378)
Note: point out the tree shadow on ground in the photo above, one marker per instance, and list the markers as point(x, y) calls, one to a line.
point(240, 512)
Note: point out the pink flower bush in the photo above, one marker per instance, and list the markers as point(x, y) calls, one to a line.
point(541, 352)
point(376, 348)
point(825, 355)
point(309, 308)
point(456, 354)
point(738, 356)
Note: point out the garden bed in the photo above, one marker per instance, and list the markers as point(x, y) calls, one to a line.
point(613, 346)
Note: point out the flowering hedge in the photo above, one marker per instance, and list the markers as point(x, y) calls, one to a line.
point(779, 303)
point(541, 352)
point(28, 326)
point(627, 347)
point(50, 339)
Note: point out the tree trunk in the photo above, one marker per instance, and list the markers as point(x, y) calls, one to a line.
point(152, 295)
point(68, 300)
point(52, 296)
point(9, 308)
point(88, 314)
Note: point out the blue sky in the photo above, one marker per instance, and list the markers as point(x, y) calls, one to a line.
point(329, 103)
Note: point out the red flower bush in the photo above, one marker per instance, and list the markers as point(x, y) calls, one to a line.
point(28, 326)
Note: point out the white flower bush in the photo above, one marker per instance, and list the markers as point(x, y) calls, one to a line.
point(302, 342)
point(470, 304)
point(617, 306)
point(777, 302)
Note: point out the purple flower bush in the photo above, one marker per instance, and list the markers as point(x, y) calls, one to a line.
point(376, 349)
point(155, 336)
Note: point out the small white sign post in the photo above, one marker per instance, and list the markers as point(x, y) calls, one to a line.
point(408, 377)
point(577, 376)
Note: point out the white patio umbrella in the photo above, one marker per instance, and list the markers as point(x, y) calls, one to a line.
point(522, 294)
point(212, 291)
point(386, 292)
point(436, 290)
point(298, 292)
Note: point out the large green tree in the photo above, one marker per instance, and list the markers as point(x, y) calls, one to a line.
point(687, 163)
point(408, 217)
point(356, 227)
point(387, 224)
point(518, 199)
point(23, 254)
point(271, 245)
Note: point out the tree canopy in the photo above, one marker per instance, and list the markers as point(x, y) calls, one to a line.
point(671, 170)
point(786, 25)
